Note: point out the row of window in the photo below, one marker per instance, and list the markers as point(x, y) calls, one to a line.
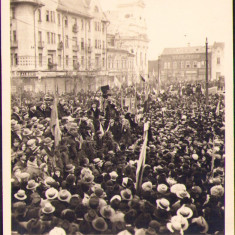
point(76, 62)
point(99, 26)
point(184, 64)
point(124, 64)
point(14, 61)
point(50, 17)
point(98, 44)
point(51, 39)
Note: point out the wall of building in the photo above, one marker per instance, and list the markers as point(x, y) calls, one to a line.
point(57, 39)
point(128, 21)
point(188, 67)
point(217, 61)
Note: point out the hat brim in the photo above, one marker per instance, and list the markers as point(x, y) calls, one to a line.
point(124, 198)
point(187, 217)
point(50, 212)
point(69, 170)
point(99, 229)
point(20, 198)
point(158, 204)
point(181, 197)
point(65, 200)
point(50, 198)
point(35, 186)
point(86, 217)
point(112, 212)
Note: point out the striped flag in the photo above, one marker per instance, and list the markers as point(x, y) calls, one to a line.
point(117, 83)
point(141, 161)
point(217, 111)
point(54, 123)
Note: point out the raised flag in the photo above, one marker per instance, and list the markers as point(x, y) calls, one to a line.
point(117, 83)
point(141, 161)
point(54, 123)
point(217, 111)
point(159, 82)
point(101, 129)
point(153, 73)
point(142, 78)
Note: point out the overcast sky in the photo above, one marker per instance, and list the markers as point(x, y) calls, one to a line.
point(168, 22)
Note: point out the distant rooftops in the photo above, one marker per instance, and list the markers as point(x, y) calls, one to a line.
point(191, 50)
point(183, 50)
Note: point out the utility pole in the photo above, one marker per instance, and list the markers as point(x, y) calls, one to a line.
point(159, 75)
point(206, 72)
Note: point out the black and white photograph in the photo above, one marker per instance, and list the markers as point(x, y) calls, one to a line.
point(117, 117)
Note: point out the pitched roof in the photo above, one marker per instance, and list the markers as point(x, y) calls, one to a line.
point(74, 7)
point(184, 50)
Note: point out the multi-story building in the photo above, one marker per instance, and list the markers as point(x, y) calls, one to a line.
point(217, 61)
point(186, 63)
point(189, 63)
point(57, 43)
point(128, 22)
point(120, 62)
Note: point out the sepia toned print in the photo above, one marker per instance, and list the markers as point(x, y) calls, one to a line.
point(117, 117)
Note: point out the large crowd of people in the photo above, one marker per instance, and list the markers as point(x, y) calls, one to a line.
point(87, 183)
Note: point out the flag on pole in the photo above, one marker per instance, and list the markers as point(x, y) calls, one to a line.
point(155, 92)
point(142, 78)
point(117, 83)
point(153, 73)
point(141, 161)
point(159, 82)
point(54, 123)
point(101, 129)
point(121, 100)
point(217, 111)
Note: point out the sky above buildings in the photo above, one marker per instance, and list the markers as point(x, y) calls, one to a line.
point(175, 23)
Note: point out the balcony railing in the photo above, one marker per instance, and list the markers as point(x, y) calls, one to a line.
point(52, 66)
point(14, 44)
point(40, 44)
point(75, 48)
point(60, 45)
point(75, 28)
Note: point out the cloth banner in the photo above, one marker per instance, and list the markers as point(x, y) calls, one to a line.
point(54, 124)
point(212, 90)
point(130, 103)
point(141, 161)
point(117, 83)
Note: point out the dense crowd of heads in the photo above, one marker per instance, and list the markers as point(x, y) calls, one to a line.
point(87, 184)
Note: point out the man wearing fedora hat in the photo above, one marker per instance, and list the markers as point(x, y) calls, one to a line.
point(16, 114)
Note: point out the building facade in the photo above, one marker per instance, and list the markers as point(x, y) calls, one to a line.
point(128, 22)
point(189, 63)
point(184, 64)
point(59, 43)
point(217, 61)
point(120, 62)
